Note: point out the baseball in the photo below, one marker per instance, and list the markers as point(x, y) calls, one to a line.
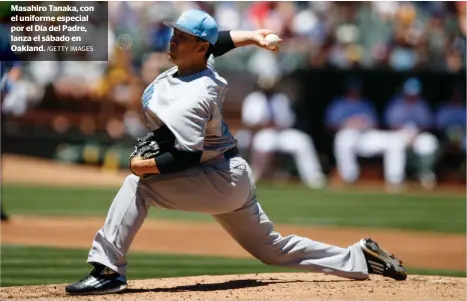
point(272, 40)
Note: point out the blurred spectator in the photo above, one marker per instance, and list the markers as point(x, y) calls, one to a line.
point(227, 16)
point(401, 36)
point(10, 72)
point(13, 101)
point(77, 78)
point(451, 120)
point(269, 118)
point(355, 122)
point(409, 118)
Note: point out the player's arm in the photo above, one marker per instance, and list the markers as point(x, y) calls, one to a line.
point(231, 39)
point(140, 166)
point(169, 161)
point(158, 152)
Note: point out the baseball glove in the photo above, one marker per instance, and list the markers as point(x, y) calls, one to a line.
point(146, 147)
point(154, 143)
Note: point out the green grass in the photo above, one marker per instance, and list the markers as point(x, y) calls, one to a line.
point(37, 265)
point(292, 205)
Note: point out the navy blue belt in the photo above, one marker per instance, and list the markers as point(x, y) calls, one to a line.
point(231, 153)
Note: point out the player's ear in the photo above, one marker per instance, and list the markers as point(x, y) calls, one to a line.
point(204, 47)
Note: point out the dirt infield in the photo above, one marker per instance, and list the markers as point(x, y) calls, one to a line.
point(58, 174)
point(420, 250)
point(416, 249)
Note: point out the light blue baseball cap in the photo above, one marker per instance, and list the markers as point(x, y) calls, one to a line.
point(197, 23)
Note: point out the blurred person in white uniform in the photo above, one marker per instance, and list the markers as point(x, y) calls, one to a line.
point(410, 119)
point(354, 121)
point(407, 116)
point(268, 118)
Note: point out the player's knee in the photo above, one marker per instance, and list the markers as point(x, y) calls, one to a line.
point(293, 136)
point(294, 140)
point(396, 142)
point(131, 180)
point(346, 139)
point(271, 254)
point(264, 256)
point(267, 261)
point(273, 258)
point(425, 144)
point(264, 141)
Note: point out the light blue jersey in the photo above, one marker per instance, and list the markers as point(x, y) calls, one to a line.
point(191, 107)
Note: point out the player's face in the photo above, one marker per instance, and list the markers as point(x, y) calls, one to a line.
point(185, 48)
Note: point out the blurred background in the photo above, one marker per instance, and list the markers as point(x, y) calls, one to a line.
point(343, 68)
point(363, 98)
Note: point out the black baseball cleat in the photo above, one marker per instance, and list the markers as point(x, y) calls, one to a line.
point(101, 280)
point(3, 217)
point(381, 262)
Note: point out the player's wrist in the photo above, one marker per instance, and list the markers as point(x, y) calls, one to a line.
point(133, 165)
point(141, 167)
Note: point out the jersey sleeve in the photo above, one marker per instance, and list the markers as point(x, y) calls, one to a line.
point(224, 44)
point(188, 120)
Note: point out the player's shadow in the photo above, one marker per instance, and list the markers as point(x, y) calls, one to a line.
point(203, 287)
point(228, 285)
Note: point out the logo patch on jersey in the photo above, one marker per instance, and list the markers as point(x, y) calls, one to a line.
point(147, 95)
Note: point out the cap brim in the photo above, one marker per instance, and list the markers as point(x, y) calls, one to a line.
point(181, 28)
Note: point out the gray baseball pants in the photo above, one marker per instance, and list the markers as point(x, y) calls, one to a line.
point(225, 189)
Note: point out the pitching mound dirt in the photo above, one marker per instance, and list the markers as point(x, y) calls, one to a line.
point(293, 286)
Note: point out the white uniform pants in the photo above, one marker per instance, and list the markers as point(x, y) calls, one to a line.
point(224, 189)
point(349, 144)
point(289, 141)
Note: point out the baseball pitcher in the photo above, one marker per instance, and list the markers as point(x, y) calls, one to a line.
point(189, 161)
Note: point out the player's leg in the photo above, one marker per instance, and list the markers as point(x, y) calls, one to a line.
point(379, 142)
point(395, 158)
point(345, 144)
point(203, 189)
point(125, 217)
point(425, 147)
point(301, 146)
point(111, 243)
point(252, 229)
point(264, 144)
point(219, 187)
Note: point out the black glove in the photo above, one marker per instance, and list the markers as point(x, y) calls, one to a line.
point(149, 150)
point(154, 143)
point(146, 147)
